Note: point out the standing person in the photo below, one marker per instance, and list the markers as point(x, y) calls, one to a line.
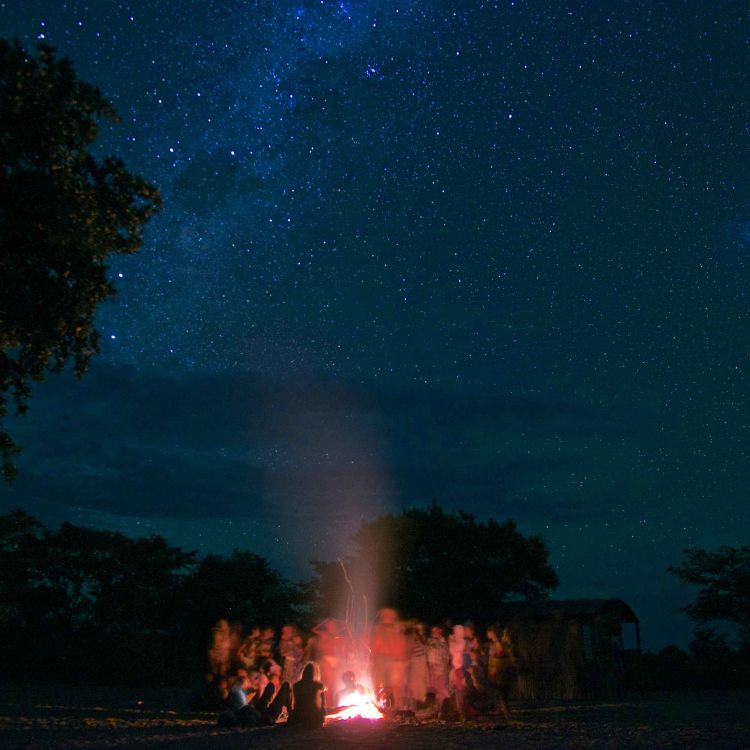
point(246, 653)
point(329, 647)
point(500, 668)
point(235, 638)
point(475, 673)
point(389, 656)
point(266, 645)
point(457, 647)
point(417, 669)
point(220, 649)
point(474, 651)
point(291, 653)
point(438, 665)
point(308, 711)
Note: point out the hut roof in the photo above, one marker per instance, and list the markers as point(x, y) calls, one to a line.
point(569, 608)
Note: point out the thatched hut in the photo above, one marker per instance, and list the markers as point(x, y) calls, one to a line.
point(569, 650)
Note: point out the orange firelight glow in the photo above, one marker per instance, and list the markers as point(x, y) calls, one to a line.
point(361, 707)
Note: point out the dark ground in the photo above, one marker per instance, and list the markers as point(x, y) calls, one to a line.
point(68, 719)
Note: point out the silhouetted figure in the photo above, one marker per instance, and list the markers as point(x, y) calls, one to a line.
point(240, 709)
point(239, 689)
point(212, 695)
point(309, 704)
point(500, 669)
point(352, 692)
point(270, 705)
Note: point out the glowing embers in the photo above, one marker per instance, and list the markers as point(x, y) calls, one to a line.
point(359, 706)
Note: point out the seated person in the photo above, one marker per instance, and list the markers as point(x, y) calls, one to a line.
point(241, 709)
point(352, 692)
point(238, 690)
point(309, 705)
point(212, 695)
point(269, 706)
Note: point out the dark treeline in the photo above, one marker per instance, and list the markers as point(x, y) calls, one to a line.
point(710, 662)
point(434, 566)
point(719, 655)
point(91, 606)
point(86, 605)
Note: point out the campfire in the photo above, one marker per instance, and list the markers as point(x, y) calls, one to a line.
point(357, 705)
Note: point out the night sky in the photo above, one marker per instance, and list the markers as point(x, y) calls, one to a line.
point(490, 255)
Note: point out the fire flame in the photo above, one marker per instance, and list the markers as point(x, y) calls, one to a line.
point(359, 706)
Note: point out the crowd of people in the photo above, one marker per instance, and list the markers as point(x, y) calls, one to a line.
point(258, 678)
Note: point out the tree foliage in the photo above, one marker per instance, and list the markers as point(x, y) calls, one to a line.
point(433, 565)
point(724, 578)
point(241, 587)
point(91, 605)
point(62, 213)
point(86, 604)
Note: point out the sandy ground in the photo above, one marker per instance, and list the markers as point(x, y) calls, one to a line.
point(77, 719)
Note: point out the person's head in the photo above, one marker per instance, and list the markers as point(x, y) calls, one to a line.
point(287, 632)
point(309, 673)
point(242, 679)
point(459, 631)
point(436, 631)
point(222, 687)
point(349, 679)
point(387, 616)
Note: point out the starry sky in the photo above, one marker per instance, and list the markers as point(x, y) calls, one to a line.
point(493, 255)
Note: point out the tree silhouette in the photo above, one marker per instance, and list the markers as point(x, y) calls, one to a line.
point(433, 565)
point(83, 603)
point(724, 578)
point(92, 605)
point(241, 587)
point(62, 213)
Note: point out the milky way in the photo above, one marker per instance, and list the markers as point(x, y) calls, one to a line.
point(483, 254)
